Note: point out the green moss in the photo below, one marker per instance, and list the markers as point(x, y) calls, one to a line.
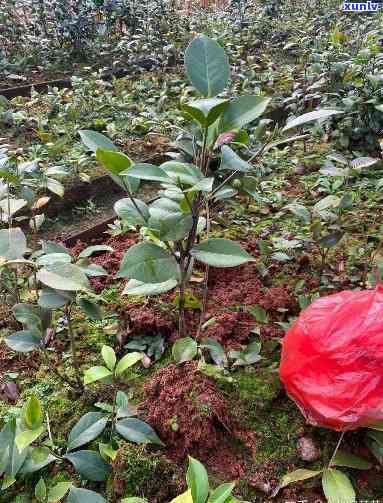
point(144, 474)
point(275, 421)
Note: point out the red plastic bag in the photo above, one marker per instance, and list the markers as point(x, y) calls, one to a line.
point(332, 360)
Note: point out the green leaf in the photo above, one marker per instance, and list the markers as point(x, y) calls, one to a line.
point(182, 173)
point(90, 269)
point(89, 427)
point(204, 185)
point(300, 211)
point(109, 356)
point(64, 277)
point(363, 162)
point(144, 171)
point(36, 459)
point(41, 491)
point(135, 287)
point(55, 186)
point(53, 258)
point(184, 350)
point(343, 458)
point(309, 117)
point(128, 361)
point(124, 409)
point(77, 495)
point(7, 440)
point(128, 211)
point(222, 492)
point(242, 111)
point(13, 243)
point(25, 438)
point(107, 451)
point(28, 315)
point(89, 250)
point(205, 112)
point(259, 314)
point(32, 413)
point(216, 351)
point(91, 309)
point(185, 497)
point(173, 228)
point(207, 66)
point(337, 486)
point(89, 465)
point(95, 374)
point(219, 252)
point(298, 475)
point(232, 162)
point(137, 431)
point(94, 140)
point(135, 500)
point(50, 299)
point(331, 240)
point(57, 492)
point(197, 480)
point(330, 201)
point(15, 205)
point(113, 161)
point(148, 263)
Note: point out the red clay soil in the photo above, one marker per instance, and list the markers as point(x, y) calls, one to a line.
point(19, 362)
point(229, 288)
point(192, 417)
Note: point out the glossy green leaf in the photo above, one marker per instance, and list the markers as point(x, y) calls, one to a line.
point(41, 491)
point(27, 437)
point(185, 497)
point(89, 427)
point(109, 357)
point(220, 252)
point(337, 486)
point(137, 431)
point(90, 250)
point(343, 458)
point(205, 112)
point(197, 480)
point(207, 66)
point(182, 173)
point(94, 140)
point(95, 374)
point(135, 287)
point(13, 243)
point(216, 351)
point(113, 161)
point(64, 277)
point(89, 465)
point(184, 350)
point(32, 413)
point(51, 299)
point(136, 213)
point(231, 161)
point(221, 494)
point(57, 492)
point(148, 263)
point(310, 117)
point(77, 495)
point(107, 451)
point(242, 111)
point(128, 361)
point(298, 475)
point(144, 171)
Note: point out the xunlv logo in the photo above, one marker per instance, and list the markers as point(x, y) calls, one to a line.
point(362, 7)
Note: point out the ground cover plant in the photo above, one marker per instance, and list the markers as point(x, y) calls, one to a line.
point(139, 362)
